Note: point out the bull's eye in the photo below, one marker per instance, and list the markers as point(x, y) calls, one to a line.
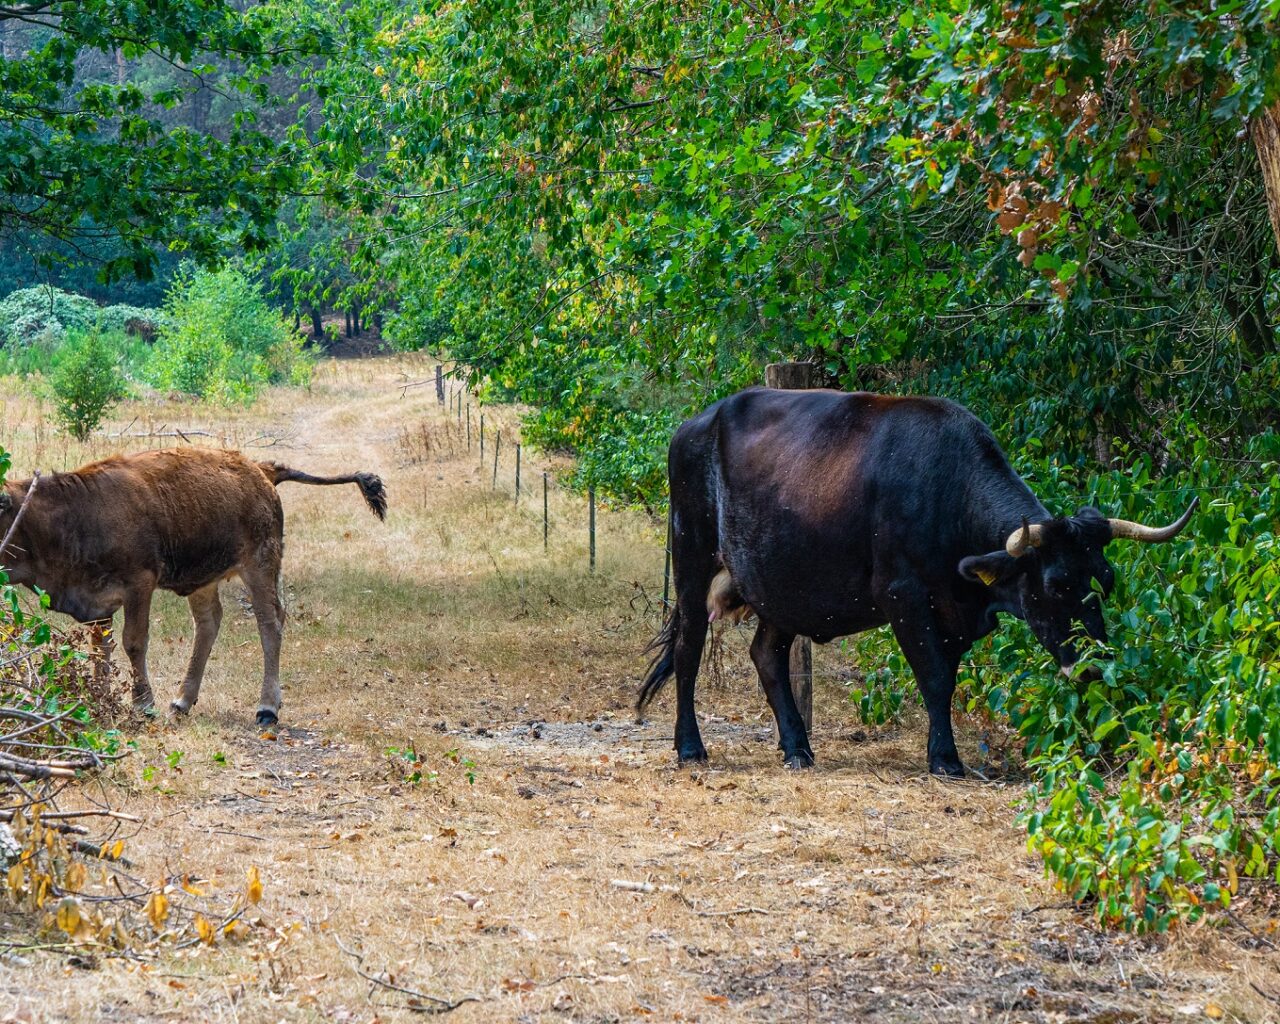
point(1055, 586)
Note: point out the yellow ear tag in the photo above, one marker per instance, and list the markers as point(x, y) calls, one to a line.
point(987, 577)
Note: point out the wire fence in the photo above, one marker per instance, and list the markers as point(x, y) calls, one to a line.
point(491, 436)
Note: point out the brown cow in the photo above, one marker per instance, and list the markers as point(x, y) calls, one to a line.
point(108, 534)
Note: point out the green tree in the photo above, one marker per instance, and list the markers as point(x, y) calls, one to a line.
point(86, 382)
point(89, 153)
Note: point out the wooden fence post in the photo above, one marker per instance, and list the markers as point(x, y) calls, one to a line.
point(439, 382)
point(591, 501)
point(791, 376)
point(517, 472)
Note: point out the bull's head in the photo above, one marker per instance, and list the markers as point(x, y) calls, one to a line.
point(1054, 567)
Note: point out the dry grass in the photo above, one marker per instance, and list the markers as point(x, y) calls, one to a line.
point(860, 889)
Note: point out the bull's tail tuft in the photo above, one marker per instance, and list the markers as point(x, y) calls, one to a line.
point(371, 486)
point(662, 667)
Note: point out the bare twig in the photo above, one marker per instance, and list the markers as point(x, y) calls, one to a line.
point(22, 511)
point(438, 1005)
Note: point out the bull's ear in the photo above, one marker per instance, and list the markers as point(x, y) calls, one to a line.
point(989, 569)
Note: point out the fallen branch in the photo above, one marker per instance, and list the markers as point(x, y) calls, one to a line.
point(92, 812)
point(629, 886)
point(438, 1006)
point(22, 511)
point(731, 913)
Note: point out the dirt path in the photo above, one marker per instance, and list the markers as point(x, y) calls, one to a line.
point(459, 802)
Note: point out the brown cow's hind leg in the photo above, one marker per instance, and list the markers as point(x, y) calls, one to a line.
point(206, 613)
point(137, 627)
point(264, 592)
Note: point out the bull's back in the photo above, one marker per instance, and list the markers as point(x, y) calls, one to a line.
point(808, 488)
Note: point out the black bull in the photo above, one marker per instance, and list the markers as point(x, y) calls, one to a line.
point(829, 513)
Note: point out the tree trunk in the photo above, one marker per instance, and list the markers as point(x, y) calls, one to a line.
point(317, 325)
point(347, 313)
point(792, 376)
point(1265, 130)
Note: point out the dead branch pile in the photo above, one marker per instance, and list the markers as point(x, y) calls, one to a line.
point(47, 735)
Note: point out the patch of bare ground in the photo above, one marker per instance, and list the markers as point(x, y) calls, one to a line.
point(459, 815)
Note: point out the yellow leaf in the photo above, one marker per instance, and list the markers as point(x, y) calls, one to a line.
point(158, 910)
point(204, 929)
point(16, 877)
point(1214, 1011)
point(75, 877)
point(69, 915)
point(117, 849)
point(254, 889)
point(190, 887)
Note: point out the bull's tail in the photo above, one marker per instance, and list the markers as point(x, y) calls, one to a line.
point(371, 487)
point(663, 666)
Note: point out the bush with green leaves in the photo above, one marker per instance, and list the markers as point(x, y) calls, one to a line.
point(86, 381)
point(222, 340)
point(1154, 790)
point(31, 313)
point(42, 314)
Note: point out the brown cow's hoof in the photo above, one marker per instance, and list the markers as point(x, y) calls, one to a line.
point(266, 718)
point(178, 709)
point(804, 759)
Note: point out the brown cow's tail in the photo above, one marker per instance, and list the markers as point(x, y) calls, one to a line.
point(663, 666)
point(375, 494)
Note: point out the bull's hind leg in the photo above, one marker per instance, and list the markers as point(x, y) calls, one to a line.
point(268, 609)
point(206, 613)
point(690, 640)
point(771, 653)
point(137, 628)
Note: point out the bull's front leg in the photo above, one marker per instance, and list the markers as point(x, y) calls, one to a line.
point(934, 656)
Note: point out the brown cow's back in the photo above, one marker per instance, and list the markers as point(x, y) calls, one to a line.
point(189, 516)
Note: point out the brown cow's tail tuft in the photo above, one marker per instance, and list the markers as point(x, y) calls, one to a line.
point(371, 486)
point(663, 666)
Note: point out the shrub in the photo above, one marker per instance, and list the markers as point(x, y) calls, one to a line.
point(29, 313)
point(86, 382)
point(220, 339)
point(1154, 790)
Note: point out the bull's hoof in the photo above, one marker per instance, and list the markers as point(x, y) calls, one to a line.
point(947, 768)
point(800, 759)
point(179, 709)
point(266, 718)
point(694, 755)
point(147, 708)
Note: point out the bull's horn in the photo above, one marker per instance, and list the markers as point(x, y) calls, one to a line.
point(1123, 529)
point(1023, 540)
